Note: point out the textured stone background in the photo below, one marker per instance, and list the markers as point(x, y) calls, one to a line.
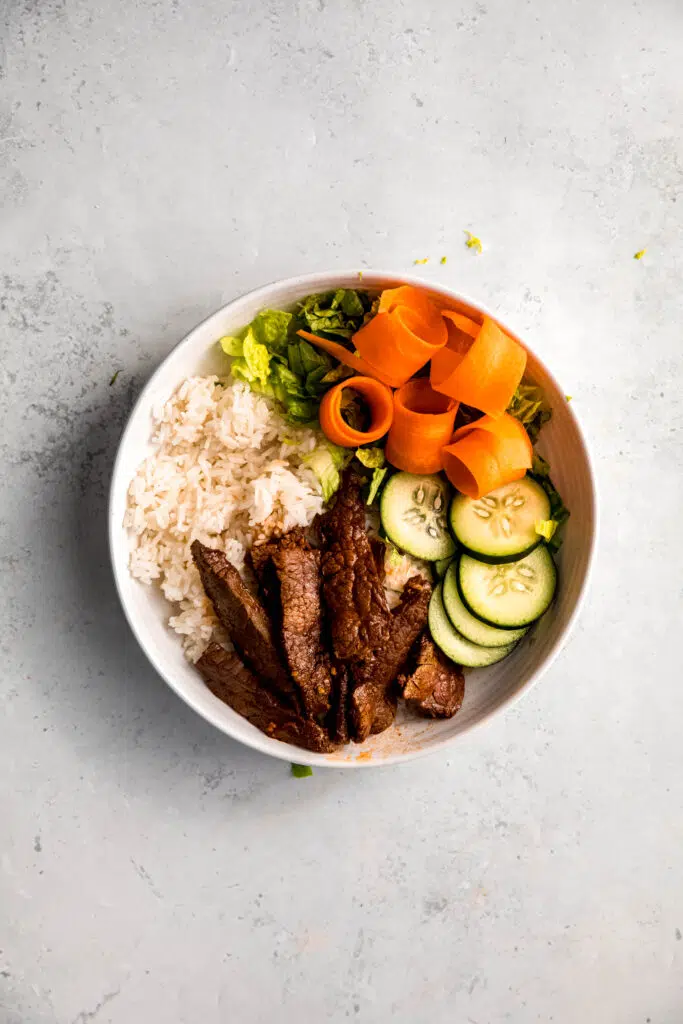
point(158, 157)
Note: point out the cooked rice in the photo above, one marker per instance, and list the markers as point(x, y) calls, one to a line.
point(226, 469)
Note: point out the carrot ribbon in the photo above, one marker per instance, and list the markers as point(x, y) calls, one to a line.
point(380, 403)
point(487, 454)
point(480, 366)
point(422, 425)
point(406, 332)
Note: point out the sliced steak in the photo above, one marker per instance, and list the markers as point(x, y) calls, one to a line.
point(288, 570)
point(301, 626)
point(244, 618)
point(373, 701)
point(379, 550)
point(354, 596)
point(435, 686)
point(231, 681)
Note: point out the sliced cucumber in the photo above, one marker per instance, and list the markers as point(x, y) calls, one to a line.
point(413, 510)
point(469, 625)
point(441, 566)
point(511, 594)
point(453, 644)
point(500, 527)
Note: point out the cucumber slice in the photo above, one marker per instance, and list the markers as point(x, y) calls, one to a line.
point(454, 645)
point(472, 628)
point(413, 512)
point(441, 566)
point(509, 595)
point(501, 526)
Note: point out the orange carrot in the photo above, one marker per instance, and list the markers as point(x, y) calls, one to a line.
point(337, 351)
point(486, 454)
point(423, 424)
point(379, 399)
point(404, 335)
point(484, 373)
point(509, 432)
point(463, 323)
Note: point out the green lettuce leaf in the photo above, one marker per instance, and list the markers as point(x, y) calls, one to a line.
point(546, 528)
point(339, 313)
point(371, 458)
point(269, 357)
point(327, 461)
point(271, 327)
point(559, 513)
point(257, 358)
point(529, 406)
point(232, 346)
point(301, 410)
point(376, 483)
point(241, 371)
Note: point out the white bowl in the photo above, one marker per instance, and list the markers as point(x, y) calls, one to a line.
point(487, 690)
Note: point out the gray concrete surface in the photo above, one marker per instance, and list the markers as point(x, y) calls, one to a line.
point(159, 157)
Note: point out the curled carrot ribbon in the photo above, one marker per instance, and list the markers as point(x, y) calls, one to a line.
point(422, 425)
point(487, 454)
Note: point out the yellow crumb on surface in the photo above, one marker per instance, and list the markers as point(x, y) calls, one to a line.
point(639, 255)
point(568, 398)
point(419, 262)
point(360, 275)
point(472, 242)
point(444, 259)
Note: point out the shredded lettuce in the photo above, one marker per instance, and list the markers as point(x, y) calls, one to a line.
point(301, 771)
point(394, 558)
point(257, 358)
point(559, 513)
point(376, 483)
point(327, 461)
point(546, 528)
point(273, 360)
point(337, 314)
point(271, 328)
point(371, 458)
point(232, 346)
point(529, 406)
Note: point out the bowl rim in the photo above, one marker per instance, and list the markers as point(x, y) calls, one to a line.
point(367, 278)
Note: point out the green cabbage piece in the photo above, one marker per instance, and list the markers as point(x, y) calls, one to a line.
point(559, 513)
point(529, 406)
point(232, 346)
point(371, 458)
point(270, 357)
point(339, 314)
point(271, 328)
point(257, 358)
point(327, 461)
point(546, 528)
point(376, 483)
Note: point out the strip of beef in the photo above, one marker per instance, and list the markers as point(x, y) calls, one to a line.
point(339, 721)
point(244, 618)
point(379, 550)
point(373, 700)
point(231, 681)
point(354, 596)
point(434, 686)
point(288, 570)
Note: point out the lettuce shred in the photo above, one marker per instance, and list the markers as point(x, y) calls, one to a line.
point(529, 406)
point(273, 360)
point(327, 462)
point(559, 513)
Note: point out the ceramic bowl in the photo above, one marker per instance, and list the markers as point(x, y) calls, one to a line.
point(488, 691)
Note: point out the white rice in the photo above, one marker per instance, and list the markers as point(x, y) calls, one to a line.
point(227, 469)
